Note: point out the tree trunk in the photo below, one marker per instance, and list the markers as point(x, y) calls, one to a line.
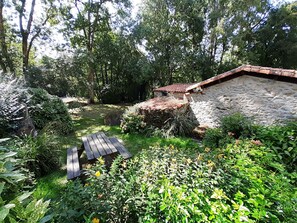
point(91, 75)
point(25, 52)
point(102, 75)
point(106, 74)
point(5, 60)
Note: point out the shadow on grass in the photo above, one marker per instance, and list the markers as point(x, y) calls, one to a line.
point(91, 120)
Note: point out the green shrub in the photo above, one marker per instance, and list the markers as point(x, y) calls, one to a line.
point(236, 124)
point(214, 138)
point(132, 121)
point(41, 154)
point(12, 99)
point(16, 204)
point(46, 109)
point(282, 140)
point(74, 203)
point(180, 123)
point(240, 183)
point(111, 95)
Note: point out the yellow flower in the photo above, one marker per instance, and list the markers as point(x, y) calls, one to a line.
point(210, 164)
point(171, 146)
point(101, 161)
point(95, 220)
point(199, 157)
point(97, 174)
point(188, 161)
point(220, 156)
point(207, 149)
point(87, 184)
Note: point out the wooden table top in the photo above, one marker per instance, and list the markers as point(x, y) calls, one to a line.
point(97, 145)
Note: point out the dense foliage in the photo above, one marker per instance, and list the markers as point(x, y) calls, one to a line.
point(164, 123)
point(241, 182)
point(13, 99)
point(16, 202)
point(115, 57)
point(282, 140)
point(133, 121)
point(49, 111)
point(40, 154)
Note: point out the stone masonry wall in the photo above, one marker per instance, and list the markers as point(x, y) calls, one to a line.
point(266, 101)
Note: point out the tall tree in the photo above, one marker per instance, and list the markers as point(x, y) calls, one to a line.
point(31, 27)
point(170, 30)
point(191, 40)
point(228, 29)
point(84, 19)
point(6, 62)
point(275, 42)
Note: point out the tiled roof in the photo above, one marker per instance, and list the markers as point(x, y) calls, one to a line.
point(177, 88)
point(267, 72)
point(162, 103)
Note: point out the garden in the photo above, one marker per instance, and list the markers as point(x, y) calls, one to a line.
point(239, 172)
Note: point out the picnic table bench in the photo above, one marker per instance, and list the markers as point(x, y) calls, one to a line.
point(95, 145)
point(73, 166)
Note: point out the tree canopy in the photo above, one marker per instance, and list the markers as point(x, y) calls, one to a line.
point(105, 53)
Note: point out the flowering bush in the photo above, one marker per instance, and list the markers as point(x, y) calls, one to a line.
point(242, 183)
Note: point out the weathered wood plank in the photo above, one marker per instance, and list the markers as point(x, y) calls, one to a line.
point(120, 148)
point(89, 152)
point(93, 145)
point(69, 166)
point(100, 148)
point(73, 168)
point(108, 143)
point(75, 163)
point(100, 138)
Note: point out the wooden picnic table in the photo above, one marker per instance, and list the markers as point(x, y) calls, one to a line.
point(98, 145)
point(95, 145)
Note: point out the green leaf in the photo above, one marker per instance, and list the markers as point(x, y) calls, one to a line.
point(1, 187)
point(3, 213)
point(7, 155)
point(163, 207)
point(46, 218)
point(24, 196)
point(4, 139)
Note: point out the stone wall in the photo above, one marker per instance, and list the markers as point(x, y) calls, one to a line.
point(266, 101)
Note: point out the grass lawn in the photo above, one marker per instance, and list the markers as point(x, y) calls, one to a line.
point(90, 119)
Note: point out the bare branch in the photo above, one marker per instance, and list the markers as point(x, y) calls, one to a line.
point(29, 24)
point(21, 14)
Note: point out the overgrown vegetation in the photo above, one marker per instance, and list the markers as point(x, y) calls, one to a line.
point(49, 111)
point(40, 154)
point(16, 201)
point(242, 182)
point(13, 99)
point(164, 124)
point(282, 140)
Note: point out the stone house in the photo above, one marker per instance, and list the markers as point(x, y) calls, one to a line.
point(267, 95)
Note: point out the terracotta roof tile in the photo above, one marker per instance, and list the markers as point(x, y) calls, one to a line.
point(177, 88)
point(162, 103)
point(269, 71)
